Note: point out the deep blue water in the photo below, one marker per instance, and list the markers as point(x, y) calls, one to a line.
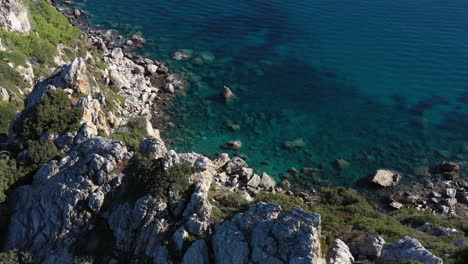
point(381, 84)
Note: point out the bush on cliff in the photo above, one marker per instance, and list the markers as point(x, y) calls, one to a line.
point(50, 24)
point(7, 177)
point(149, 176)
point(48, 29)
point(53, 115)
point(136, 130)
point(7, 113)
point(40, 152)
point(225, 204)
point(16, 257)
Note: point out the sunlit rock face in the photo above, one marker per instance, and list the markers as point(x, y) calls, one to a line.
point(14, 16)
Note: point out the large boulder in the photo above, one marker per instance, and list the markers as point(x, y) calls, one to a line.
point(386, 178)
point(407, 249)
point(14, 16)
point(197, 253)
point(339, 254)
point(269, 235)
point(371, 248)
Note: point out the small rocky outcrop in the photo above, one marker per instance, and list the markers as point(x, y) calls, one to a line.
point(437, 231)
point(4, 95)
point(371, 248)
point(14, 16)
point(72, 76)
point(339, 254)
point(386, 178)
point(407, 249)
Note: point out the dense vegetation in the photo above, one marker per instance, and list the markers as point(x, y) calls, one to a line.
point(350, 217)
point(7, 113)
point(49, 28)
point(149, 176)
point(53, 115)
point(16, 257)
point(134, 131)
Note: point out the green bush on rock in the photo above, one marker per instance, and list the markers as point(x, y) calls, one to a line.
point(40, 152)
point(16, 257)
point(136, 130)
point(53, 115)
point(7, 113)
point(149, 176)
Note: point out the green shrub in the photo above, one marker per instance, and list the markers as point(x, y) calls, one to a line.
point(286, 202)
point(8, 176)
point(149, 176)
point(16, 257)
point(53, 115)
point(15, 57)
point(49, 28)
point(7, 113)
point(50, 24)
point(40, 152)
point(10, 79)
point(225, 204)
point(136, 130)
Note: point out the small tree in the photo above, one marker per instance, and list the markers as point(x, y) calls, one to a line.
point(53, 115)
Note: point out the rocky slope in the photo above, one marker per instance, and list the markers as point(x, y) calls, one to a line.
point(83, 207)
point(14, 16)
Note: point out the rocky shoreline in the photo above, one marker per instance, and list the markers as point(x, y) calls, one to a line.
point(78, 201)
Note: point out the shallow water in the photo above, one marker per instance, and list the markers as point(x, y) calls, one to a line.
point(380, 84)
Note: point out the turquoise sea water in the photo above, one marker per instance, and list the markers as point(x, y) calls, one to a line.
point(380, 84)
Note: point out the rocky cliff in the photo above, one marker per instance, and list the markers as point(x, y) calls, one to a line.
point(90, 203)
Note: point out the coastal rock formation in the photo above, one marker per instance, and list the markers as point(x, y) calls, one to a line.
point(386, 178)
point(407, 249)
point(446, 195)
point(73, 76)
point(50, 214)
point(14, 16)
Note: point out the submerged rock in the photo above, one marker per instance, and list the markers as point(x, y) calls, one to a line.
point(386, 178)
point(294, 144)
point(234, 145)
point(180, 55)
